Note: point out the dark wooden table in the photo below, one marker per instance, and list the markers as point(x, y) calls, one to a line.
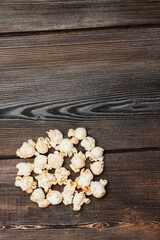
point(83, 63)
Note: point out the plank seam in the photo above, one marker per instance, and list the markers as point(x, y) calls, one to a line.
point(65, 31)
point(111, 151)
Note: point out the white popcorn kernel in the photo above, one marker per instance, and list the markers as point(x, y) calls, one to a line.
point(74, 140)
point(79, 133)
point(37, 195)
point(55, 137)
point(46, 180)
point(27, 150)
point(88, 143)
point(40, 163)
point(71, 133)
point(98, 188)
point(54, 197)
point(84, 180)
point(26, 183)
point(45, 203)
point(68, 192)
point(41, 145)
point(95, 154)
point(31, 142)
point(61, 175)
point(78, 161)
point(78, 200)
point(66, 147)
point(55, 160)
point(25, 168)
point(97, 167)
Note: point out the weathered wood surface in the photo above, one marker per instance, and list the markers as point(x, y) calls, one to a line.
point(40, 15)
point(130, 208)
point(105, 80)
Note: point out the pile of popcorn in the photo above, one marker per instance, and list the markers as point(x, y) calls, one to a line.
point(42, 194)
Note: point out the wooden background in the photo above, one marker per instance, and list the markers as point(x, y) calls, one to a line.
point(83, 63)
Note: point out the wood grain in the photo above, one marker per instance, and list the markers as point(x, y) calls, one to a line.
point(40, 15)
point(106, 81)
point(130, 208)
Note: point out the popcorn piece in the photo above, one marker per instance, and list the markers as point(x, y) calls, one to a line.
point(46, 180)
point(84, 180)
point(25, 168)
point(98, 188)
point(42, 145)
point(68, 192)
point(95, 154)
point(77, 162)
point(38, 196)
point(44, 203)
point(88, 143)
point(27, 150)
point(26, 183)
point(54, 197)
point(78, 200)
point(66, 147)
point(55, 137)
point(79, 133)
point(61, 175)
point(40, 163)
point(97, 167)
point(55, 160)
point(31, 142)
point(74, 140)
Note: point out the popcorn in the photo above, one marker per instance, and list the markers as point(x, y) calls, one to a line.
point(40, 163)
point(55, 137)
point(98, 188)
point(77, 162)
point(95, 154)
point(61, 175)
point(68, 192)
point(38, 196)
point(54, 197)
point(42, 145)
point(79, 133)
point(27, 150)
point(46, 180)
point(44, 203)
point(84, 180)
point(78, 200)
point(88, 143)
point(26, 183)
point(66, 148)
point(55, 160)
point(74, 140)
point(24, 168)
point(97, 167)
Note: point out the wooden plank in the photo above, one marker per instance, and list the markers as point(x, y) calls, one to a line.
point(109, 134)
point(130, 208)
point(106, 81)
point(40, 15)
point(123, 231)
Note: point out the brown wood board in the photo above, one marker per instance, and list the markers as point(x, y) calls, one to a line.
point(40, 15)
point(106, 80)
point(131, 205)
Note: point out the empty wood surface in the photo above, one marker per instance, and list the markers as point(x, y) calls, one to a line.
point(40, 15)
point(100, 71)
